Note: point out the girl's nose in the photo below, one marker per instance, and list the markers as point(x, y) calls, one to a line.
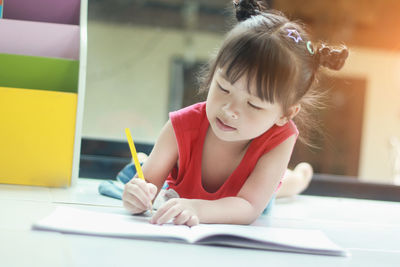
point(231, 111)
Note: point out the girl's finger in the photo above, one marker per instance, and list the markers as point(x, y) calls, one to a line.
point(164, 213)
point(134, 201)
point(149, 188)
point(193, 221)
point(141, 184)
point(132, 208)
point(182, 218)
point(169, 214)
point(152, 189)
point(137, 192)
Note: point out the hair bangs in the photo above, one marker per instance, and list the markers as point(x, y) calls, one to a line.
point(252, 56)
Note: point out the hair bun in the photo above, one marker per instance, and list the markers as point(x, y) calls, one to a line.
point(247, 8)
point(332, 58)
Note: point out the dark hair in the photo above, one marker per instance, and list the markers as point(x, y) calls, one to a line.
point(278, 55)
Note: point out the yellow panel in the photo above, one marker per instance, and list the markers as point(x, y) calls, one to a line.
point(36, 136)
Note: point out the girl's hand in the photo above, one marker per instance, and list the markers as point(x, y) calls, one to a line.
point(180, 210)
point(138, 195)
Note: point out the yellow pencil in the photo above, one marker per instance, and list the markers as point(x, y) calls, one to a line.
point(135, 159)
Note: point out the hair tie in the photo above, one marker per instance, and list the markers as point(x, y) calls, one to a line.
point(246, 9)
point(294, 34)
point(309, 48)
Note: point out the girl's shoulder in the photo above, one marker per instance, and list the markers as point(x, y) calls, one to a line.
point(190, 117)
point(192, 110)
point(274, 137)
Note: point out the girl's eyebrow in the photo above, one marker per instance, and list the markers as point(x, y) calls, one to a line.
point(226, 79)
point(251, 96)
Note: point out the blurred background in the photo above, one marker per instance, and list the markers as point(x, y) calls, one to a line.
point(143, 56)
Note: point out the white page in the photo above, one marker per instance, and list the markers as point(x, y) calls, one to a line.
point(267, 237)
point(71, 220)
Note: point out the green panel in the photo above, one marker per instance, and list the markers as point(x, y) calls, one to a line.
point(41, 73)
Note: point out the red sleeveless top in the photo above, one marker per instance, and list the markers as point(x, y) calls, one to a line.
point(190, 126)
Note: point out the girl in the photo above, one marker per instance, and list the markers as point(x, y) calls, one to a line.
point(223, 159)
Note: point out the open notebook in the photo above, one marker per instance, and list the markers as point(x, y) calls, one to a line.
point(72, 220)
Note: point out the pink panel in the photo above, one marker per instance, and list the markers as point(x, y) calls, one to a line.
point(39, 39)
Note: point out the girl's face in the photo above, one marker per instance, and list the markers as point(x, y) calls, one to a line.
point(235, 114)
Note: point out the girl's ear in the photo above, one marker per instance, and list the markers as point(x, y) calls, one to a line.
point(293, 111)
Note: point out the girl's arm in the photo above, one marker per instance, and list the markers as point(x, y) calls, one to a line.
point(163, 157)
point(246, 207)
point(138, 193)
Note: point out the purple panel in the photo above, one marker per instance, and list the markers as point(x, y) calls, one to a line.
point(39, 39)
point(54, 11)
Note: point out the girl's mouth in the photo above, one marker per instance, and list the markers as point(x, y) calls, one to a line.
point(223, 126)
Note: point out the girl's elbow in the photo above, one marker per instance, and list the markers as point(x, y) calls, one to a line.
point(251, 215)
point(249, 219)
point(254, 216)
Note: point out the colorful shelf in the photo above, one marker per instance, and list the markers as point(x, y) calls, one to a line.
point(42, 88)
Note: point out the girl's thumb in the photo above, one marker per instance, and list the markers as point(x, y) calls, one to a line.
point(152, 190)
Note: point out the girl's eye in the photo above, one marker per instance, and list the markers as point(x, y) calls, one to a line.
point(253, 106)
point(222, 89)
